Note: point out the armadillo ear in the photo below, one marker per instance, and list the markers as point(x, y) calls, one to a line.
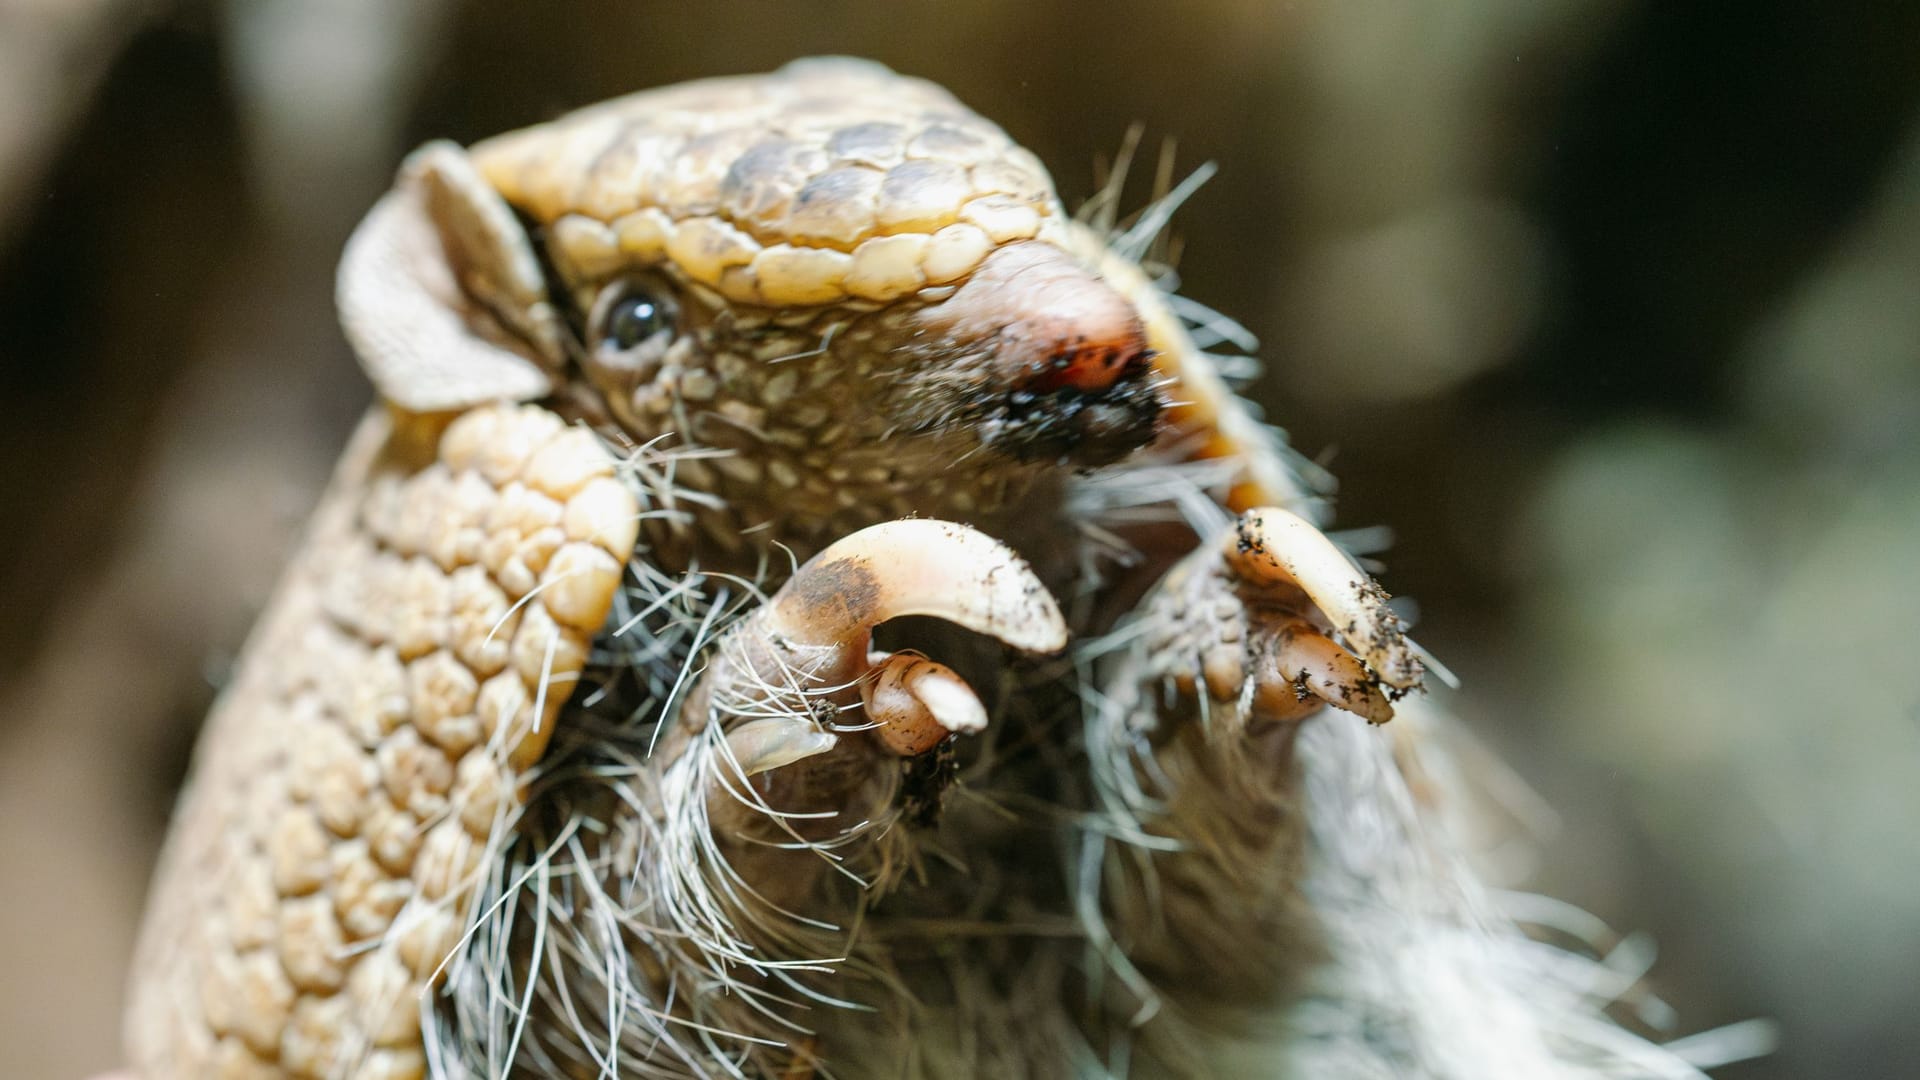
point(441, 294)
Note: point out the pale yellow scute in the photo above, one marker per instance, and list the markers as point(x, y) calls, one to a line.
point(321, 860)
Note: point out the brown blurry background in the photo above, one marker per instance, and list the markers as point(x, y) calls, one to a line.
point(1610, 310)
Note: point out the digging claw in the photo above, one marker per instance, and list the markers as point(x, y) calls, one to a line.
point(1270, 546)
point(1277, 613)
point(1306, 666)
point(917, 567)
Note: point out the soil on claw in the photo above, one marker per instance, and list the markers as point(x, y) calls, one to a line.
point(845, 584)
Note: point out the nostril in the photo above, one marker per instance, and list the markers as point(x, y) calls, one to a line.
point(1089, 410)
point(1091, 366)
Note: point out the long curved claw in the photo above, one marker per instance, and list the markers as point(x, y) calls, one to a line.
point(1270, 546)
point(917, 567)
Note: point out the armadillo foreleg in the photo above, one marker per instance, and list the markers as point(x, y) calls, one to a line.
point(797, 727)
point(1191, 745)
point(758, 826)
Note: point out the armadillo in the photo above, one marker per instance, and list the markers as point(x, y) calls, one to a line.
point(804, 604)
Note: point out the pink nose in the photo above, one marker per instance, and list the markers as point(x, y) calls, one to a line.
point(1047, 321)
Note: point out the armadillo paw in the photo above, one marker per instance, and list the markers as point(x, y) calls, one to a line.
point(1274, 617)
point(806, 657)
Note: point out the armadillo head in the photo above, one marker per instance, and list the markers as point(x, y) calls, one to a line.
point(856, 289)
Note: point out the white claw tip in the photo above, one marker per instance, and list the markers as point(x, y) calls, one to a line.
point(952, 703)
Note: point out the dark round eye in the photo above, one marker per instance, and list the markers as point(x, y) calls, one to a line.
point(634, 318)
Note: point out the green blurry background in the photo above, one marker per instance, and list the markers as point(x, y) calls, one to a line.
point(1609, 310)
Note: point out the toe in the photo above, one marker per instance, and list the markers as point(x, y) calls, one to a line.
point(915, 704)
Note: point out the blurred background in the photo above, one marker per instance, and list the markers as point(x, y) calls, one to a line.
point(1610, 310)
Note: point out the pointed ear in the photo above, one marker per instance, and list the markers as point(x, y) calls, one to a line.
point(441, 294)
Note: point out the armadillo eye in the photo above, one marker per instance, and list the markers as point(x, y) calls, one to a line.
point(628, 317)
point(635, 319)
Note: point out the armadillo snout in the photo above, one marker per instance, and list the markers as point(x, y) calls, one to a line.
point(1065, 373)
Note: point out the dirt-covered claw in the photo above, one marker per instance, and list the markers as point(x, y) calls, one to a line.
point(1301, 668)
point(1274, 621)
point(1270, 546)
